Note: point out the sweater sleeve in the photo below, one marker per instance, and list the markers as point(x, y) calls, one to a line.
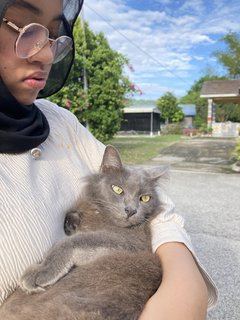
point(169, 227)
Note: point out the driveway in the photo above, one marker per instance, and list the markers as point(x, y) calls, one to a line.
point(207, 194)
point(199, 154)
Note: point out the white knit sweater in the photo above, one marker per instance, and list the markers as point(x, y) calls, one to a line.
point(35, 195)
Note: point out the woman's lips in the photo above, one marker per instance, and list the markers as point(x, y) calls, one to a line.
point(35, 83)
point(36, 80)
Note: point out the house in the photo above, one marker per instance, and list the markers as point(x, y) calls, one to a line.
point(214, 91)
point(141, 119)
point(224, 91)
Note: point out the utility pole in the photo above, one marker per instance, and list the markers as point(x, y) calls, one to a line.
point(85, 83)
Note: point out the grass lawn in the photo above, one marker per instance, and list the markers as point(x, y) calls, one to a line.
point(139, 149)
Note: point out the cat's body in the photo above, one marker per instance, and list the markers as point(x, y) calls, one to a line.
point(114, 272)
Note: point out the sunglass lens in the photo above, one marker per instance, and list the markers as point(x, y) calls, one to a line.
point(61, 48)
point(32, 39)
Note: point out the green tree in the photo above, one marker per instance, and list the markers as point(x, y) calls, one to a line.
point(73, 96)
point(101, 106)
point(228, 112)
point(169, 109)
point(230, 58)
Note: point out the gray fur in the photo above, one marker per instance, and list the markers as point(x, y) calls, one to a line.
point(105, 269)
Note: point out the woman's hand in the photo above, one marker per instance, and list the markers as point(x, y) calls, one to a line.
point(182, 294)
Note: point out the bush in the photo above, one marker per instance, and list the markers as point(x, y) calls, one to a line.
point(204, 129)
point(236, 151)
point(173, 128)
point(190, 132)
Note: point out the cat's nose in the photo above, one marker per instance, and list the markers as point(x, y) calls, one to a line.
point(130, 211)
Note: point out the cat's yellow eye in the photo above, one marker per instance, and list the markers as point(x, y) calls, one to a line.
point(145, 198)
point(117, 189)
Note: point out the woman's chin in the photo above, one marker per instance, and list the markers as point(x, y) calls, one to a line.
point(28, 100)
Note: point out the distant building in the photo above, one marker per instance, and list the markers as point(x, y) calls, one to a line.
point(189, 111)
point(221, 91)
point(224, 91)
point(141, 119)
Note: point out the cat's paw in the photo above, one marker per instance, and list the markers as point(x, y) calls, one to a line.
point(29, 280)
point(72, 223)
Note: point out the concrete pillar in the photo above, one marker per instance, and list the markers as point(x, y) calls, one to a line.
point(210, 113)
point(151, 124)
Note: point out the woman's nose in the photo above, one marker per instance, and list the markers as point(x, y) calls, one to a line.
point(44, 55)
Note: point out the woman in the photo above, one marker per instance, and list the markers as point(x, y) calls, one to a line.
point(44, 152)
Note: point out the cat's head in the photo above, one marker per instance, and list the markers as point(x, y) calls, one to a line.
point(127, 196)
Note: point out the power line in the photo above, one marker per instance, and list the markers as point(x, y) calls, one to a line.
point(136, 46)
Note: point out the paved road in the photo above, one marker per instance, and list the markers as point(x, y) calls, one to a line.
point(209, 200)
point(210, 204)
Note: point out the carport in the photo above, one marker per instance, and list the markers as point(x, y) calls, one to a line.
point(225, 91)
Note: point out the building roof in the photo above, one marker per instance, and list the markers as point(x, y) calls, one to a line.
point(225, 90)
point(188, 109)
point(141, 109)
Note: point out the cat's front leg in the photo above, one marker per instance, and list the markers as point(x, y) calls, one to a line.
point(28, 282)
point(56, 265)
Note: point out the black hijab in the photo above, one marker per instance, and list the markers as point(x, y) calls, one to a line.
point(21, 127)
point(25, 127)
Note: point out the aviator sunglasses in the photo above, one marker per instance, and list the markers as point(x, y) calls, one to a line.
point(33, 37)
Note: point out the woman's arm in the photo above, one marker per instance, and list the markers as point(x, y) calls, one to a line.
point(182, 294)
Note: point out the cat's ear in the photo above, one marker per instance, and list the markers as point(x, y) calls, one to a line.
point(111, 160)
point(159, 172)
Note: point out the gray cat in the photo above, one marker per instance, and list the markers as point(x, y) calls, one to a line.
point(105, 269)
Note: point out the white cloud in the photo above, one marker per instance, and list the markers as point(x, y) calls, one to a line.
point(199, 58)
point(165, 42)
point(193, 6)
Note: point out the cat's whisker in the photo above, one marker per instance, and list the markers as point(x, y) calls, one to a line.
point(148, 220)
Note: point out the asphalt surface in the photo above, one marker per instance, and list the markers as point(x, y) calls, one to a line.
point(199, 154)
point(207, 194)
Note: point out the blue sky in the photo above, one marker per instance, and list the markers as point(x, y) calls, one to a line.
point(168, 43)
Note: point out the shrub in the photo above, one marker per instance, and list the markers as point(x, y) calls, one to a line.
point(236, 151)
point(172, 128)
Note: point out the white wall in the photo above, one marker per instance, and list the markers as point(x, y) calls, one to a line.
point(225, 129)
